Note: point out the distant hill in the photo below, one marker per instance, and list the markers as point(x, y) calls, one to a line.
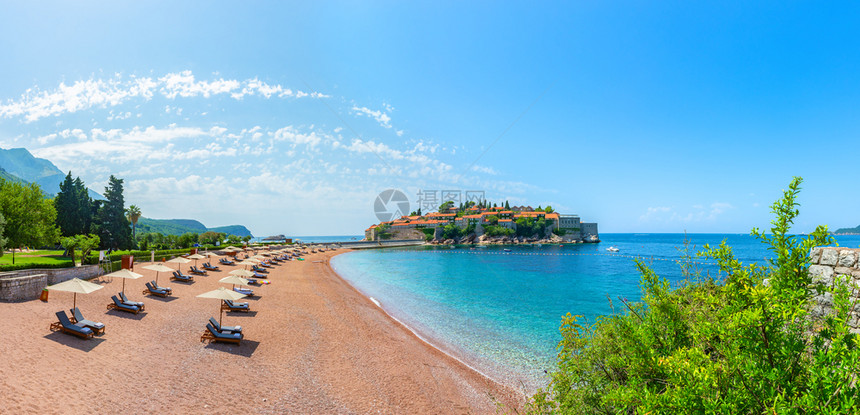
point(847, 230)
point(5, 175)
point(182, 226)
point(20, 163)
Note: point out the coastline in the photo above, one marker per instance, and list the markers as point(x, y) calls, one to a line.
point(428, 340)
point(313, 344)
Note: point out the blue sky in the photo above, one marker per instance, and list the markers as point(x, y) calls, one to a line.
point(291, 117)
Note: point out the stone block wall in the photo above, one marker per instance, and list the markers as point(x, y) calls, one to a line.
point(20, 288)
point(27, 284)
point(831, 265)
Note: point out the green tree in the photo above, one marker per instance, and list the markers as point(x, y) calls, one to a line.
point(30, 217)
point(210, 237)
point(445, 206)
point(133, 214)
point(72, 204)
point(246, 238)
point(233, 239)
point(188, 239)
point(110, 222)
point(749, 344)
point(548, 209)
point(85, 243)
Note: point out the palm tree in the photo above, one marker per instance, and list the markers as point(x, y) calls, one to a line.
point(133, 214)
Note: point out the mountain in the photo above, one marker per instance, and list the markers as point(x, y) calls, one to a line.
point(848, 231)
point(20, 163)
point(5, 175)
point(182, 226)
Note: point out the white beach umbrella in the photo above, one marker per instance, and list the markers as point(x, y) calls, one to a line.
point(158, 268)
point(222, 294)
point(234, 279)
point(241, 273)
point(125, 275)
point(180, 260)
point(75, 285)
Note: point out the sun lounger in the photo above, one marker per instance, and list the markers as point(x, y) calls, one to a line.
point(153, 289)
point(244, 291)
point(181, 277)
point(226, 262)
point(253, 282)
point(224, 329)
point(119, 305)
point(66, 326)
point(126, 301)
point(211, 334)
point(258, 275)
point(260, 270)
point(266, 265)
point(231, 306)
point(195, 270)
point(207, 266)
point(80, 321)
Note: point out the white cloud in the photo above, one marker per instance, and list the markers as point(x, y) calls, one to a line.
point(82, 95)
point(381, 117)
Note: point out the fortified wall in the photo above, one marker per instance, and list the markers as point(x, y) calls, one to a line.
point(833, 264)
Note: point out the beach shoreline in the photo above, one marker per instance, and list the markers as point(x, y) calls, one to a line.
point(313, 344)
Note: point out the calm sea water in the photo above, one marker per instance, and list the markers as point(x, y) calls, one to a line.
point(500, 311)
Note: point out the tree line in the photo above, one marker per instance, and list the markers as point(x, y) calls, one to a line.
point(78, 222)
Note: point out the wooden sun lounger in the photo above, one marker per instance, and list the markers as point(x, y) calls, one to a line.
point(80, 321)
point(66, 326)
point(224, 329)
point(126, 301)
point(231, 306)
point(207, 266)
point(181, 277)
point(195, 270)
point(118, 305)
point(211, 334)
point(155, 290)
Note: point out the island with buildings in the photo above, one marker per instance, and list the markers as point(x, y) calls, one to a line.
point(482, 224)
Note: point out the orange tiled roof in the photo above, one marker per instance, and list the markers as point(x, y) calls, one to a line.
point(505, 220)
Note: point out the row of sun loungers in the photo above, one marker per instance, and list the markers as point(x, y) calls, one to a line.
point(207, 266)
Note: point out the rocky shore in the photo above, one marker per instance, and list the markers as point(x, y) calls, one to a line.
point(501, 240)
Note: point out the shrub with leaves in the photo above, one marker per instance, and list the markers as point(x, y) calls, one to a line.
point(746, 343)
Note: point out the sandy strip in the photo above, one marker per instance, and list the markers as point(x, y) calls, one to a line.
point(313, 344)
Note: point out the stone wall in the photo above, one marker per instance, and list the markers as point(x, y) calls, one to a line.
point(831, 265)
point(27, 284)
point(21, 288)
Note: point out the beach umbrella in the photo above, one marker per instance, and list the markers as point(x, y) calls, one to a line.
point(247, 262)
point(195, 257)
point(241, 273)
point(179, 260)
point(125, 275)
point(212, 255)
point(222, 294)
point(234, 279)
point(75, 285)
point(158, 268)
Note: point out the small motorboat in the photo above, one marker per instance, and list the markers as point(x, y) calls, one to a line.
point(506, 250)
point(613, 249)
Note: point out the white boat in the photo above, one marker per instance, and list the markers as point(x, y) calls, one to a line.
point(612, 249)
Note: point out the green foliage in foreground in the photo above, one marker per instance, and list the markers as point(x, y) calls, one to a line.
point(748, 345)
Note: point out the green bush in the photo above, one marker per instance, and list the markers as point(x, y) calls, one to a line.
point(747, 344)
point(19, 266)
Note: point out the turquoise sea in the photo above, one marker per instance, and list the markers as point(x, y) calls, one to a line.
point(499, 311)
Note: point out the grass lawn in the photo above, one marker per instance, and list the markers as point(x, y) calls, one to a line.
point(36, 257)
